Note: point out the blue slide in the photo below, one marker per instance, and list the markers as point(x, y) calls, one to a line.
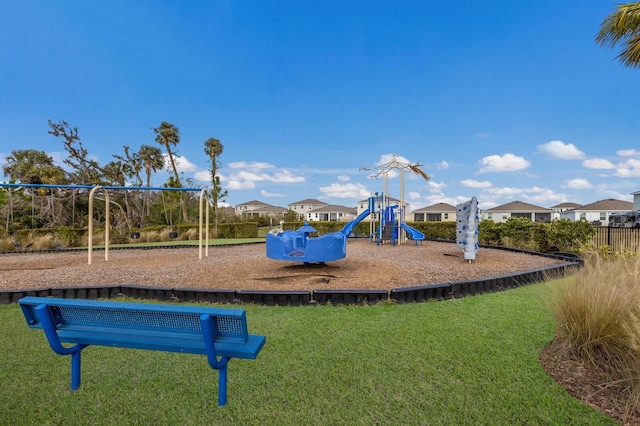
point(348, 228)
point(413, 233)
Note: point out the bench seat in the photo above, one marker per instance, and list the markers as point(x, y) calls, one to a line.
point(218, 333)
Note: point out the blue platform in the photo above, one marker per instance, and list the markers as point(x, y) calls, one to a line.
point(295, 246)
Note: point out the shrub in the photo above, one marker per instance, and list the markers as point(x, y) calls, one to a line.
point(489, 233)
point(598, 318)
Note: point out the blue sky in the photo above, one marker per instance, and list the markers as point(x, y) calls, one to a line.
point(502, 100)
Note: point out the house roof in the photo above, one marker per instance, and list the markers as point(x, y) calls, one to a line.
point(437, 208)
point(566, 206)
point(517, 206)
point(254, 203)
point(334, 209)
point(309, 201)
point(607, 205)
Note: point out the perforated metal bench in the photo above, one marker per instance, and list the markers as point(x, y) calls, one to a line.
point(220, 334)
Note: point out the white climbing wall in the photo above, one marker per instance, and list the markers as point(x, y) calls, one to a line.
point(467, 228)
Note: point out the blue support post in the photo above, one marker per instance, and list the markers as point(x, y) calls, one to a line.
point(210, 331)
point(49, 327)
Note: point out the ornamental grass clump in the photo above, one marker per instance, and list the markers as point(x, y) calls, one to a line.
point(598, 318)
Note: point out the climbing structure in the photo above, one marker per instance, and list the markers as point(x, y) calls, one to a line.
point(392, 224)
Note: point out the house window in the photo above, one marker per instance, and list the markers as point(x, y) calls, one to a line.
point(490, 216)
point(433, 217)
point(418, 217)
point(583, 216)
point(603, 216)
point(446, 216)
point(505, 217)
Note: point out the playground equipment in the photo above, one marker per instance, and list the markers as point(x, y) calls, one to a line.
point(296, 246)
point(203, 229)
point(392, 224)
point(467, 228)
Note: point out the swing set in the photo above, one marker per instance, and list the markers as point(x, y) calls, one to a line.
point(203, 234)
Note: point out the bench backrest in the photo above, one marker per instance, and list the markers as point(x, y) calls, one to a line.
point(231, 323)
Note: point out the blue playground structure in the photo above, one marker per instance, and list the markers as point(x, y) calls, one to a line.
point(297, 246)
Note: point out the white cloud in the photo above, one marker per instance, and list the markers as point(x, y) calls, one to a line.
point(246, 179)
point(285, 176)
point(598, 163)
point(182, 164)
point(414, 196)
point(482, 135)
point(544, 197)
point(240, 185)
point(505, 191)
point(472, 183)
point(504, 163)
point(628, 168)
point(348, 190)
point(436, 186)
point(203, 176)
point(578, 184)
point(559, 149)
point(252, 165)
point(270, 194)
point(443, 165)
point(344, 178)
point(628, 153)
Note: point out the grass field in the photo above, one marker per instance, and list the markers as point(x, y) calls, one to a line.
point(471, 361)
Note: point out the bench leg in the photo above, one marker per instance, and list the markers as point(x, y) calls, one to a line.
point(209, 332)
point(49, 327)
point(75, 370)
point(222, 386)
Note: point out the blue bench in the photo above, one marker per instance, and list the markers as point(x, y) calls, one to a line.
point(220, 334)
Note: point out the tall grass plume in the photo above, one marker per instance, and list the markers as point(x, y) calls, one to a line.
point(598, 318)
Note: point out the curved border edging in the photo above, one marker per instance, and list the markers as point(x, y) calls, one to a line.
point(415, 294)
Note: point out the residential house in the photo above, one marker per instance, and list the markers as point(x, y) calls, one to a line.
point(517, 209)
point(598, 212)
point(562, 207)
point(255, 209)
point(636, 200)
point(441, 212)
point(331, 213)
point(301, 208)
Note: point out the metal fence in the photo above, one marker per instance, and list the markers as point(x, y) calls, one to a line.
point(617, 238)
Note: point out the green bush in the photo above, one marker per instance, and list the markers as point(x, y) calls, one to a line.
point(238, 230)
point(436, 230)
point(489, 233)
point(598, 318)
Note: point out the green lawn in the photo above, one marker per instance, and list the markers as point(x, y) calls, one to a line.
point(469, 361)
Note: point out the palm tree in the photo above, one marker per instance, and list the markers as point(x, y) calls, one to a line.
point(623, 26)
point(152, 160)
point(168, 136)
point(213, 148)
point(33, 167)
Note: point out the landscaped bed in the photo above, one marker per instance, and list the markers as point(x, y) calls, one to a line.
point(246, 267)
